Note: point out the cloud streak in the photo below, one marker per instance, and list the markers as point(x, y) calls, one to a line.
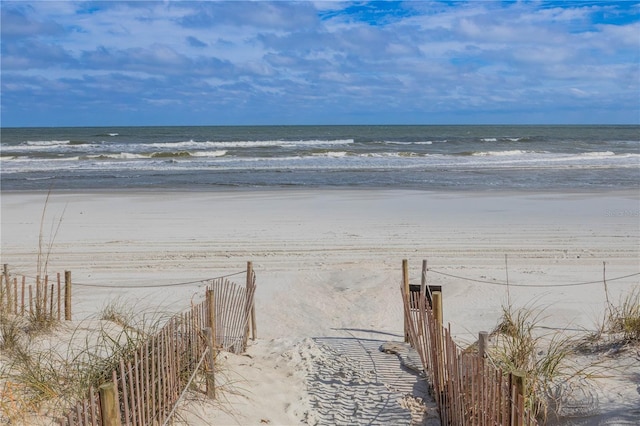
point(236, 62)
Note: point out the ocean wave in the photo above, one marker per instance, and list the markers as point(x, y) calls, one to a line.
point(506, 139)
point(251, 144)
point(158, 154)
point(598, 154)
point(331, 154)
point(344, 164)
point(169, 154)
point(47, 143)
point(178, 161)
point(48, 146)
point(505, 153)
point(40, 178)
point(394, 154)
point(118, 156)
point(411, 143)
point(217, 153)
point(26, 159)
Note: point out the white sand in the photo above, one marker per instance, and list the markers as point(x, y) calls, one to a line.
point(328, 267)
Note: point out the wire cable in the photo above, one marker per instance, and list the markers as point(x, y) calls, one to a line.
point(500, 283)
point(158, 285)
point(186, 387)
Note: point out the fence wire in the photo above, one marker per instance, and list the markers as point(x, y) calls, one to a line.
point(509, 284)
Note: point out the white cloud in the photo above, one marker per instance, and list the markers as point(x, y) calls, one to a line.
point(476, 53)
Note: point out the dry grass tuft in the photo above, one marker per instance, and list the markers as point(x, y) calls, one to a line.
point(625, 317)
point(40, 374)
point(11, 332)
point(520, 346)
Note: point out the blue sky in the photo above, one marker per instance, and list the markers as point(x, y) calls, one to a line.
point(69, 63)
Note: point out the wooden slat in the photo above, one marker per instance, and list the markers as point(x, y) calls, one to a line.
point(24, 283)
point(85, 412)
point(95, 409)
point(59, 311)
point(147, 384)
point(135, 372)
point(124, 395)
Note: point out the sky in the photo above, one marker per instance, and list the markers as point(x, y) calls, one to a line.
point(66, 63)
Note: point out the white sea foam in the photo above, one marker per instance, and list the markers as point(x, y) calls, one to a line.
point(47, 143)
point(394, 154)
point(41, 178)
point(598, 154)
point(504, 153)
point(332, 154)
point(40, 146)
point(410, 143)
point(217, 153)
point(25, 159)
point(249, 144)
point(489, 140)
point(119, 156)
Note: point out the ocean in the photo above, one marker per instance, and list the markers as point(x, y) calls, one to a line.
point(535, 158)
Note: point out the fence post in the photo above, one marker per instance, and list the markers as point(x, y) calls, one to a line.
point(15, 296)
point(211, 322)
point(405, 289)
point(423, 281)
point(254, 327)
point(437, 307)
point(24, 283)
point(483, 340)
point(210, 334)
point(251, 326)
point(67, 295)
point(38, 296)
point(5, 272)
point(59, 299)
point(109, 404)
point(210, 372)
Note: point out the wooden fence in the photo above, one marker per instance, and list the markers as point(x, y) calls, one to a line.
point(43, 300)
point(234, 313)
point(467, 389)
point(145, 387)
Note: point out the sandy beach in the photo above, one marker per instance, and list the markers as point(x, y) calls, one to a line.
point(328, 266)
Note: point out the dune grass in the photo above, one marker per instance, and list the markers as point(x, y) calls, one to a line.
point(41, 374)
point(624, 318)
point(546, 357)
point(522, 346)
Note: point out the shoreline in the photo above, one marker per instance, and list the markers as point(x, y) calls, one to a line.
point(631, 192)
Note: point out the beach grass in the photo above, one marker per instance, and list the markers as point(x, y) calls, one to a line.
point(521, 347)
point(624, 318)
point(547, 358)
point(37, 373)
